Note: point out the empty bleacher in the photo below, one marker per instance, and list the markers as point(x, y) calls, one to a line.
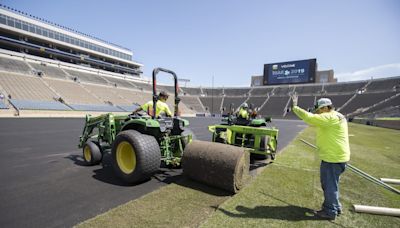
point(308, 89)
point(282, 90)
point(256, 101)
point(107, 94)
point(143, 86)
point(394, 101)
point(213, 92)
point(72, 92)
point(87, 77)
point(96, 108)
point(38, 105)
point(235, 101)
point(261, 91)
point(349, 87)
point(193, 103)
point(384, 84)
point(119, 82)
point(212, 104)
point(236, 91)
point(3, 105)
point(49, 71)
point(13, 65)
point(365, 100)
point(275, 106)
point(134, 96)
point(191, 91)
point(337, 100)
point(25, 87)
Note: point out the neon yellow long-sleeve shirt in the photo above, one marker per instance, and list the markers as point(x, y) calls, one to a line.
point(243, 113)
point(332, 134)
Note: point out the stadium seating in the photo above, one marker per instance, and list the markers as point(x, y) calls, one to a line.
point(275, 106)
point(3, 105)
point(72, 92)
point(128, 108)
point(38, 105)
point(107, 94)
point(261, 91)
point(193, 103)
point(235, 101)
point(96, 108)
point(308, 89)
point(25, 87)
point(256, 101)
point(337, 100)
point(87, 77)
point(116, 82)
point(384, 84)
point(13, 65)
point(365, 100)
point(213, 92)
point(384, 105)
point(143, 86)
point(212, 104)
point(49, 71)
point(349, 87)
point(191, 91)
point(236, 91)
point(282, 90)
point(133, 96)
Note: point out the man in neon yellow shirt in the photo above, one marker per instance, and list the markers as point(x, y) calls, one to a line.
point(333, 147)
point(162, 107)
point(243, 111)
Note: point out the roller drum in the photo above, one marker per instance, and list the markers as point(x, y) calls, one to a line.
point(216, 164)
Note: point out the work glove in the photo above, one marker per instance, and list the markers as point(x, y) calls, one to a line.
point(295, 99)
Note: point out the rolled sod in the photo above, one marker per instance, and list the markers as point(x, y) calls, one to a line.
point(216, 164)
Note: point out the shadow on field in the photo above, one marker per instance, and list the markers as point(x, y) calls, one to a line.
point(288, 212)
point(104, 172)
point(175, 176)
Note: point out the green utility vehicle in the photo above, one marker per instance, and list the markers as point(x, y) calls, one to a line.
point(252, 133)
point(138, 143)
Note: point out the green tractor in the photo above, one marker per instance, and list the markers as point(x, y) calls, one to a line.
point(252, 133)
point(138, 143)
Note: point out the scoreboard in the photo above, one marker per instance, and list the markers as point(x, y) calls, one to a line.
point(301, 71)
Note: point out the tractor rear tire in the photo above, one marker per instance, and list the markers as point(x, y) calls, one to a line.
point(92, 153)
point(135, 156)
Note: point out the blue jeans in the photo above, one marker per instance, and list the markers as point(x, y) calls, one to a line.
point(330, 175)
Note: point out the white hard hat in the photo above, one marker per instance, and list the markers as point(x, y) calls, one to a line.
point(244, 105)
point(323, 102)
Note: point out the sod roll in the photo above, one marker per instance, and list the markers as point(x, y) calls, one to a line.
point(216, 164)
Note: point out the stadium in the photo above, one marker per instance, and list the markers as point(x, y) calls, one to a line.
point(52, 76)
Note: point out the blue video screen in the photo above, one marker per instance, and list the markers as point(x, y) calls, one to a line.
point(294, 72)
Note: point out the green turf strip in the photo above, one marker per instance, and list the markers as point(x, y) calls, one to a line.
point(286, 192)
point(283, 195)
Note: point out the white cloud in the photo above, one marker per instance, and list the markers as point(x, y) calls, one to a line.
point(382, 71)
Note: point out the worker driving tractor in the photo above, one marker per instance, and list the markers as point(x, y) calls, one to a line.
point(161, 106)
point(243, 112)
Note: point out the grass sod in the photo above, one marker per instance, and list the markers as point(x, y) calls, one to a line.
point(282, 195)
point(182, 204)
point(289, 189)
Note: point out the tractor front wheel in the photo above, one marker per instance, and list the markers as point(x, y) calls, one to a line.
point(135, 156)
point(92, 153)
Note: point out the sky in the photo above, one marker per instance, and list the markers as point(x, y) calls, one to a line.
point(232, 40)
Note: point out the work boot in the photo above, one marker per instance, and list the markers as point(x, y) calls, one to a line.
point(339, 212)
point(322, 214)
